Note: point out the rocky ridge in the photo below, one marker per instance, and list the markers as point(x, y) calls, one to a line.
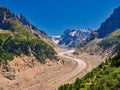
point(111, 24)
point(37, 32)
point(33, 29)
point(105, 40)
point(20, 49)
point(70, 38)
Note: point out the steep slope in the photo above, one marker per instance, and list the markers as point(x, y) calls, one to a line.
point(70, 38)
point(103, 42)
point(111, 24)
point(105, 77)
point(111, 42)
point(17, 40)
point(105, 47)
point(33, 29)
point(39, 33)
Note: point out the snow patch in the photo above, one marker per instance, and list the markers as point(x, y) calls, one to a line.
point(56, 39)
point(73, 33)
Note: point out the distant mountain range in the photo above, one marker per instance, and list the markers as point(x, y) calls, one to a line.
point(70, 38)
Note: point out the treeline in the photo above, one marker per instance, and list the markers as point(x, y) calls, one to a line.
point(105, 77)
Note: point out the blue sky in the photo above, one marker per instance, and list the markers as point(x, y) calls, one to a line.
point(54, 16)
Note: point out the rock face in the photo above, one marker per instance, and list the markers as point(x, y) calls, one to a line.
point(70, 38)
point(5, 16)
point(34, 30)
point(16, 40)
point(105, 47)
point(111, 24)
point(106, 40)
point(37, 32)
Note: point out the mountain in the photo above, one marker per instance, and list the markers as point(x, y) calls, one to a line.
point(111, 42)
point(5, 18)
point(55, 39)
point(104, 43)
point(105, 47)
point(105, 40)
point(16, 40)
point(70, 38)
point(20, 49)
point(108, 26)
point(37, 32)
point(33, 29)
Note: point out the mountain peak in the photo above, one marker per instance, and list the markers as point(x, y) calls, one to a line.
point(5, 13)
point(23, 20)
point(116, 10)
point(16, 39)
point(5, 16)
point(33, 29)
point(110, 25)
point(71, 37)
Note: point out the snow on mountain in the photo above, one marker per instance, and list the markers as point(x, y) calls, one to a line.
point(73, 33)
point(55, 39)
point(71, 38)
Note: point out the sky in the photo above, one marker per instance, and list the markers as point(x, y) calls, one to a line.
point(54, 16)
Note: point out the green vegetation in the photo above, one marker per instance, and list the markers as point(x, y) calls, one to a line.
point(18, 40)
point(81, 45)
point(111, 40)
point(19, 30)
point(105, 77)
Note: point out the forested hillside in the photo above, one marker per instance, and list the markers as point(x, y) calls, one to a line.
point(105, 77)
point(16, 40)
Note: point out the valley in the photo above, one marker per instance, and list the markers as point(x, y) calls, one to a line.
point(78, 59)
point(51, 75)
